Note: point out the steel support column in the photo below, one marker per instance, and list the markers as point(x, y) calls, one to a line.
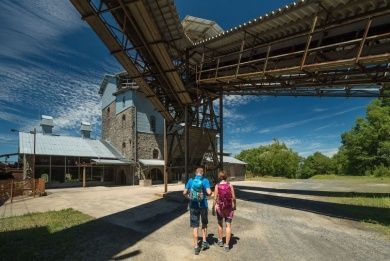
point(165, 158)
point(186, 142)
point(221, 130)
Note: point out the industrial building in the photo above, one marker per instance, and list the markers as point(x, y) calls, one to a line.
point(59, 159)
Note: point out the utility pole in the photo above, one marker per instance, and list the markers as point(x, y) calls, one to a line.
point(33, 168)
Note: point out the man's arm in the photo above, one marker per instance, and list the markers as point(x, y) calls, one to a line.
point(206, 184)
point(186, 190)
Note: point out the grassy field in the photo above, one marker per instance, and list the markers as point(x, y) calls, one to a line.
point(385, 180)
point(352, 178)
point(59, 235)
point(380, 220)
point(379, 216)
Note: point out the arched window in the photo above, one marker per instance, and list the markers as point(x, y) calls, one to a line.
point(156, 154)
point(152, 123)
point(123, 117)
point(108, 110)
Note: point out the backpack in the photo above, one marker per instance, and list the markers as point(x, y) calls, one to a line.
point(196, 190)
point(224, 201)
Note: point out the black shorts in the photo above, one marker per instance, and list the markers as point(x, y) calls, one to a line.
point(196, 214)
point(220, 219)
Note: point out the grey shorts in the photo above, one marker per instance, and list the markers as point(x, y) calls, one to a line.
point(196, 214)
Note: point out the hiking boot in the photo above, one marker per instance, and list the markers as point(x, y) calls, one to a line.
point(220, 243)
point(226, 248)
point(196, 250)
point(205, 245)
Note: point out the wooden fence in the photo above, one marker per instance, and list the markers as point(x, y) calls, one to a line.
point(15, 188)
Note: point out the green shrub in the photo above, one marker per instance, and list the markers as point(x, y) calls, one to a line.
point(381, 171)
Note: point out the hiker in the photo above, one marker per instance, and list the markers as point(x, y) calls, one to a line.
point(197, 189)
point(224, 206)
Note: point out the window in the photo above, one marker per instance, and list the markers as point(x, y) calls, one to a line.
point(124, 145)
point(108, 110)
point(123, 117)
point(156, 154)
point(152, 123)
point(123, 101)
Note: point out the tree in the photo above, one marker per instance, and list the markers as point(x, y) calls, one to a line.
point(367, 144)
point(340, 162)
point(316, 164)
point(275, 159)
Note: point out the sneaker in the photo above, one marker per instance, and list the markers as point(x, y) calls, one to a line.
point(205, 245)
point(196, 250)
point(227, 248)
point(220, 243)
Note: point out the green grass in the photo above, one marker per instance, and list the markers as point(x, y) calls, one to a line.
point(269, 179)
point(381, 223)
point(57, 235)
point(385, 180)
point(352, 178)
point(360, 201)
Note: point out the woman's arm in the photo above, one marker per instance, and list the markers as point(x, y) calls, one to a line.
point(215, 199)
point(233, 197)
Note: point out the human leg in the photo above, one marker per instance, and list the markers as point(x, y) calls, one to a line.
point(204, 217)
point(194, 223)
point(228, 233)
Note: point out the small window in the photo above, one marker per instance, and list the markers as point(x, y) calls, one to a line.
point(123, 101)
point(108, 110)
point(123, 117)
point(124, 145)
point(152, 123)
point(155, 154)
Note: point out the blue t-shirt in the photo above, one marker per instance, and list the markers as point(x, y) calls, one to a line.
point(205, 185)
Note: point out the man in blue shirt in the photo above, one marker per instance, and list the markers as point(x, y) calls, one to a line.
point(197, 189)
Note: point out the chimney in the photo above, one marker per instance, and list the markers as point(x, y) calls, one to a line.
point(85, 129)
point(47, 124)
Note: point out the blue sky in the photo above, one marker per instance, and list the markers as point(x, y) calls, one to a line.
point(51, 63)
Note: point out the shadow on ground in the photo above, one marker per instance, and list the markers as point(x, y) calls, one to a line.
point(316, 192)
point(344, 211)
point(96, 239)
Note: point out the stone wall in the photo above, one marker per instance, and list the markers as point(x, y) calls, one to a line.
point(147, 143)
point(235, 171)
point(119, 130)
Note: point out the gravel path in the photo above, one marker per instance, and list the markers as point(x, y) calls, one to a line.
point(265, 227)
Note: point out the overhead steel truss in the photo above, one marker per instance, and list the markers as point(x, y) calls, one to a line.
point(345, 57)
point(307, 48)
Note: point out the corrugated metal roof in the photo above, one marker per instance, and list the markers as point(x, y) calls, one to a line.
point(288, 20)
point(151, 162)
point(111, 162)
point(231, 160)
point(199, 29)
point(65, 146)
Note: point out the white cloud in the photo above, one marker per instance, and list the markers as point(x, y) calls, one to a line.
point(320, 109)
point(232, 115)
point(289, 125)
point(244, 129)
point(236, 146)
point(31, 27)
